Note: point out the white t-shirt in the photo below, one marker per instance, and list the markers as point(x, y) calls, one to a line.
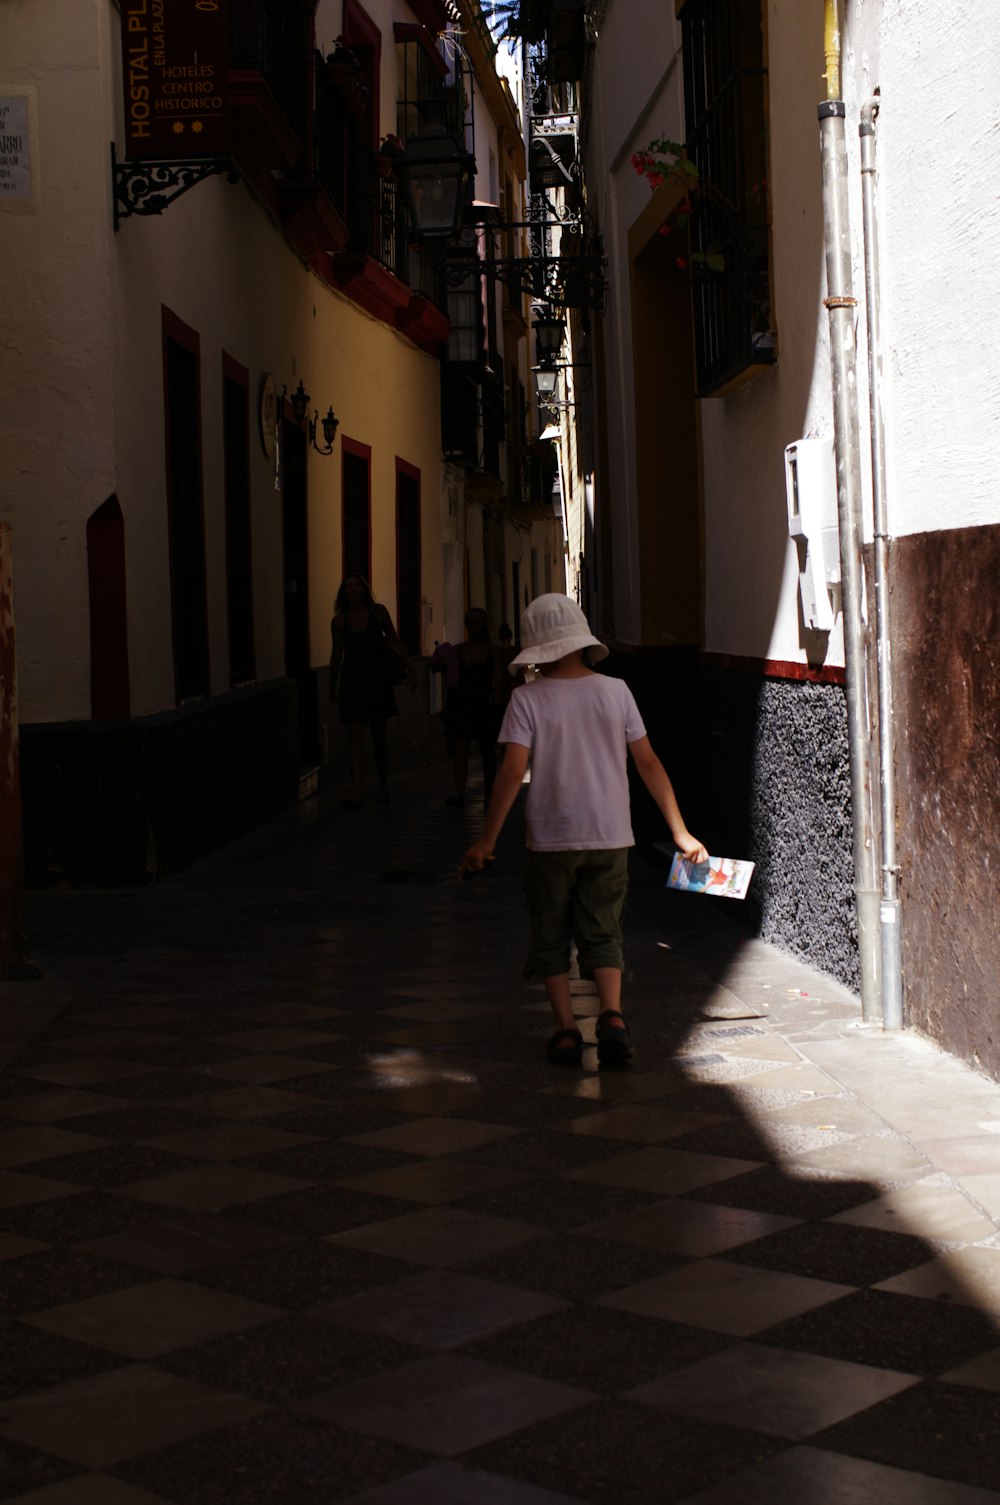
point(578, 731)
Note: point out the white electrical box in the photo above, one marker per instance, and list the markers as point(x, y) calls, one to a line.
point(811, 495)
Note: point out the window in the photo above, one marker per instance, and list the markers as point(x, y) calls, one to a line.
point(356, 508)
point(408, 593)
point(459, 414)
point(272, 36)
point(724, 107)
point(517, 412)
point(182, 401)
point(239, 573)
point(465, 310)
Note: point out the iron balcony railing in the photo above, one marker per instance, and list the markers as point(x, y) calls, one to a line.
point(269, 35)
point(330, 137)
point(724, 102)
point(376, 214)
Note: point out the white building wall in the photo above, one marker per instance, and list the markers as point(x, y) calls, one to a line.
point(247, 294)
point(939, 227)
point(81, 381)
point(56, 358)
point(751, 565)
point(636, 94)
point(939, 159)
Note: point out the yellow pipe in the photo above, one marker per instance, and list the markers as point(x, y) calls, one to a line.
point(831, 49)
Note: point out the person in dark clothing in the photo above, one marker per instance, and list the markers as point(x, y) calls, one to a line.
point(363, 636)
point(470, 712)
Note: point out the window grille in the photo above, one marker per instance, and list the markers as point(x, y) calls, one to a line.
point(724, 99)
point(356, 519)
point(272, 36)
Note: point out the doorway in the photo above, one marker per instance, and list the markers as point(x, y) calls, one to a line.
point(295, 553)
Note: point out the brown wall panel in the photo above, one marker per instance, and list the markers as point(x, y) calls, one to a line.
point(945, 621)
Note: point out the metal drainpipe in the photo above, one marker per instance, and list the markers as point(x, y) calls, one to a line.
point(841, 306)
point(890, 910)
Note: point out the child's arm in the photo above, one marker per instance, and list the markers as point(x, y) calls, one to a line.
point(505, 791)
point(656, 780)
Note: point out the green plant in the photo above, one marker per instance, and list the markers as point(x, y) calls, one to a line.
point(665, 162)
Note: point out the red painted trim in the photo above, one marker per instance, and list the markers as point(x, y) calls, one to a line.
point(380, 292)
point(362, 35)
point(363, 452)
point(310, 219)
point(425, 324)
point(369, 284)
point(404, 31)
point(235, 371)
point(430, 13)
point(774, 668)
point(182, 334)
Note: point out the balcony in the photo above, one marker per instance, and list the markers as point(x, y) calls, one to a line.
point(269, 84)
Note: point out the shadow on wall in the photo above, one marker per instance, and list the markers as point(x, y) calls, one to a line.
point(760, 769)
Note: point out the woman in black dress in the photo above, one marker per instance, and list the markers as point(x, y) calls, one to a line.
point(359, 679)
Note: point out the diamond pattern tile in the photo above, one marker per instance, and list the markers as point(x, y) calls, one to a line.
point(439, 1309)
point(447, 1404)
point(152, 1318)
point(301, 1457)
point(98, 1421)
point(770, 1390)
point(292, 1207)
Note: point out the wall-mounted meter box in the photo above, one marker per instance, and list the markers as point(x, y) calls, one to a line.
point(811, 495)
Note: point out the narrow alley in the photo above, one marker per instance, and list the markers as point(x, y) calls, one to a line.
point(293, 1208)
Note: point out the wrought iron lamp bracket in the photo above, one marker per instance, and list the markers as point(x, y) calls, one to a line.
point(565, 281)
point(148, 187)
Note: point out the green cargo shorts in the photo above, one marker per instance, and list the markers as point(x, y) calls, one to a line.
point(575, 896)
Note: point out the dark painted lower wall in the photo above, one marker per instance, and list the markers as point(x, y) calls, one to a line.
point(778, 791)
point(760, 768)
point(109, 803)
point(945, 620)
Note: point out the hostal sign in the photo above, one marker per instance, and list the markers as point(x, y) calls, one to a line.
point(175, 56)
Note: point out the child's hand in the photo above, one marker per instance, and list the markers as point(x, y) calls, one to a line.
point(690, 848)
point(476, 858)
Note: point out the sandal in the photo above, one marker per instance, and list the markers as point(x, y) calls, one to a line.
point(614, 1041)
point(565, 1048)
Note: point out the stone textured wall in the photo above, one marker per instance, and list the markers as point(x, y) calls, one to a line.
point(945, 615)
point(776, 789)
point(760, 768)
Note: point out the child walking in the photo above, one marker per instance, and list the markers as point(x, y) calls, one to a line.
point(575, 726)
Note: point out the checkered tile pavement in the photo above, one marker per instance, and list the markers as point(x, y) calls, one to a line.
point(293, 1209)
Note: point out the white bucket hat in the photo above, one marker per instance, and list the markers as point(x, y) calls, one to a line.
point(551, 627)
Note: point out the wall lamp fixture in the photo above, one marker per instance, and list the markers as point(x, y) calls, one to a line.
point(300, 400)
point(434, 173)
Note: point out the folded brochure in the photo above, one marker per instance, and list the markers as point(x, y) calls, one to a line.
point(725, 877)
